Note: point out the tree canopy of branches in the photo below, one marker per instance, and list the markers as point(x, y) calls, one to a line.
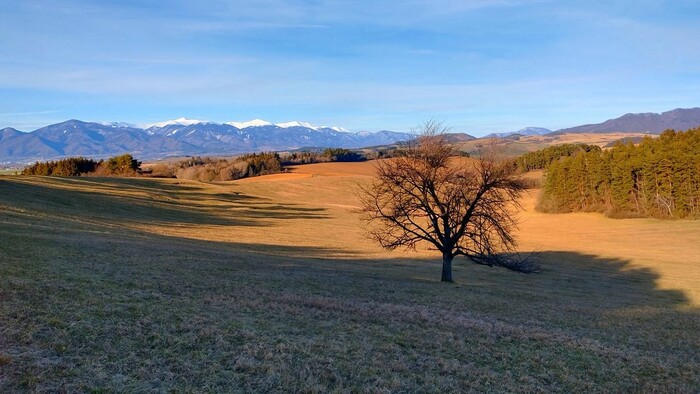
point(457, 205)
point(660, 177)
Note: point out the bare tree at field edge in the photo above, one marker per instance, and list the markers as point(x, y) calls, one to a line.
point(460, 206)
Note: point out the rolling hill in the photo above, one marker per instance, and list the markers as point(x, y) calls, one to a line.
point(678, 119)
point(270, 284)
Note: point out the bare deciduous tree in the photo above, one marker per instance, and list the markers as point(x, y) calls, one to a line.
point(461, 206)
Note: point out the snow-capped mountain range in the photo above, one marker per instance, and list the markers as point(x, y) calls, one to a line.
point(238, 125)
point(178, 137)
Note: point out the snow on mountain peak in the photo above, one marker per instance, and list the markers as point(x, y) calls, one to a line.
point(117, 125)
point(250, 123)
point(244, 125)
point(295, 123)
point(336, 128)
point(178, 121)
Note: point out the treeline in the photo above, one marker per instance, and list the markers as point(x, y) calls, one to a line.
point(343, 155)
point(204, 169)
point(660, 177)
point(207, 169)
point(327, 155)
point(542, 158)
point(123, 165)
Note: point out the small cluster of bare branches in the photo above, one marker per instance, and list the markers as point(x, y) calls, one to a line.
point(525, 263)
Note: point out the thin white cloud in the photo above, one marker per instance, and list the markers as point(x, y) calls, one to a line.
point(370, 60)
point(28, 113)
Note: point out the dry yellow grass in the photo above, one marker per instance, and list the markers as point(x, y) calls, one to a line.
point(670, 248)
point(269, 284)
point(327, 193)
point(600, 139)
point(524, 144)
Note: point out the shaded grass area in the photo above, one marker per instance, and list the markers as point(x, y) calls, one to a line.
point(86, 306)
point(123, 201)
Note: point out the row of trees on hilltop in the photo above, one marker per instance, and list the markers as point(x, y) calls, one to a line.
point(344, 155)
point(328, 154)
point(540, 159)
point(658, 178)
point(204, 169)
point(79, 166)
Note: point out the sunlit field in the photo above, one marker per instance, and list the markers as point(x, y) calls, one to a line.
point(269, 284)
point(516, 146)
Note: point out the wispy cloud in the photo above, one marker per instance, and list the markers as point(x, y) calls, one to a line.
point(481, 64)
point(30, 113)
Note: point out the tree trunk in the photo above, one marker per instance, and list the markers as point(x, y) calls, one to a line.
point(447, 267)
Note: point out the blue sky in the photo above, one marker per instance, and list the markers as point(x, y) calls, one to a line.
point(480, 66)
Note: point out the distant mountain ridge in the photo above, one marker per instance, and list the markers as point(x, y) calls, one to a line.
point(523, 131)
point(678, 119)
point(179, 137)
point(183, 137)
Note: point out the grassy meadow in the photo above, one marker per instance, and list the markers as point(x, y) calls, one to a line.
point(268, 284)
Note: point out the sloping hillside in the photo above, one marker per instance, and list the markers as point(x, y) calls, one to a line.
point(678, 119)
point(269, 284)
